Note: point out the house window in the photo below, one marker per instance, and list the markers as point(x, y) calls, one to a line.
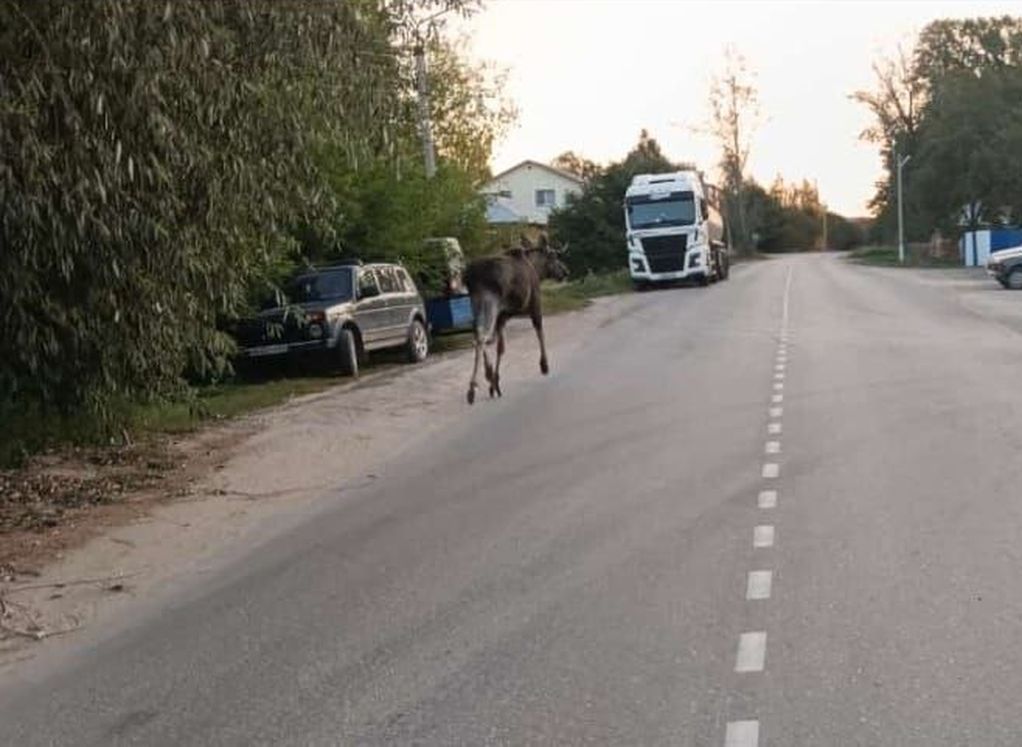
point(545, 198)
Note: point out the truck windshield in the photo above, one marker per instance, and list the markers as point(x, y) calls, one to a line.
point(677, 209)
point(320, 286)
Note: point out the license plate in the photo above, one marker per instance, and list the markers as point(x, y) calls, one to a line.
point(267, 350)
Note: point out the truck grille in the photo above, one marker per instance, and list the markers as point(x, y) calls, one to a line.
point(665, 253)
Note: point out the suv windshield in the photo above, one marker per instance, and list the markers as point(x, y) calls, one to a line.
point(677, 209)
point(320, 286)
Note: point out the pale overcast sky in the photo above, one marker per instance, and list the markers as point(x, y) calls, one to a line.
point(588, 75)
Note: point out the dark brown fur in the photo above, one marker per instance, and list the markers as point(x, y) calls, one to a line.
point(506, 286)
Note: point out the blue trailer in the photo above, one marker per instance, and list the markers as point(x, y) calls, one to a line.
point(448, 308)
point(449, 313)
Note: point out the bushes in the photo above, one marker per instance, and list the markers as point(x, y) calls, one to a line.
point(163, 163)
point(152, 156)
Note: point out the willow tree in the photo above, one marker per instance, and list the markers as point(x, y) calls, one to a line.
point(153, 157)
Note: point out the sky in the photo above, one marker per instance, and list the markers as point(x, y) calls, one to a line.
point(589, 75)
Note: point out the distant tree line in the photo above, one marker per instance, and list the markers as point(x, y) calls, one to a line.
point(954, 104)
point(163, 163)
point(779, 219)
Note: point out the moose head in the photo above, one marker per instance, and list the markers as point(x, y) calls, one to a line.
point(545, 257)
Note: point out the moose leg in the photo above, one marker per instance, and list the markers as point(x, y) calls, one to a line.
point(487, 366)
point(473, 383)
point(495, 381)
point(537, 324)
point(485, 318)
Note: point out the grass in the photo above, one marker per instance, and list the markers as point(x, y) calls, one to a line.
point(29, 430)
point(578, 294)
point(222, 401)
point(887, 256)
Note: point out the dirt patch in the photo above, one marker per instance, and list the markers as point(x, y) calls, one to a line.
point(59, 499)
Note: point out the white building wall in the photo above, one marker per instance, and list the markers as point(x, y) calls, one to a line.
point(523, 182)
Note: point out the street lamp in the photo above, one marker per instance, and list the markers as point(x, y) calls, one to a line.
point(901, 214)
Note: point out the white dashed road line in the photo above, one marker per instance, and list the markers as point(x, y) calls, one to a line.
point(742, 734)
point(763, 536)
point(758, 585)
point(751, 656)
point(751, 652)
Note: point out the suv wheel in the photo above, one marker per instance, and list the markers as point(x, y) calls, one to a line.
point(347, 353)
point(418, 342)
point(1014, 279)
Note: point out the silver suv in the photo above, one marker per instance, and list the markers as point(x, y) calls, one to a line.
point(343, 311)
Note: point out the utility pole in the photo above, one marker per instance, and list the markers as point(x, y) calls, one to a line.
point(901, 213)
point(425, 125)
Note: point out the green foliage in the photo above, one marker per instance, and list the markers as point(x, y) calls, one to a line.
point(578, 294)
point(790, 217)
point(468, 108)
point(151, 154)
point(952, 105)
point(969, 149)
point(385, 206)
point(163, 162)
point(968, 45)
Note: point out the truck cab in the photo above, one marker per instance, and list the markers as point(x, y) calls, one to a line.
point(674, 230)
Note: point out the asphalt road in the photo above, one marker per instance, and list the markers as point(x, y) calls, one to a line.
point(571, 564)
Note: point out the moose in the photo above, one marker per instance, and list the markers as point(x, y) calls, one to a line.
point(506, 286)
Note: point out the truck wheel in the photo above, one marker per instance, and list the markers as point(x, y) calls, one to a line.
point(417, 346)
point(1015, 279)
point(347, 353)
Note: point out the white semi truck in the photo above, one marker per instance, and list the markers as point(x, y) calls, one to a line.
point(674, 230)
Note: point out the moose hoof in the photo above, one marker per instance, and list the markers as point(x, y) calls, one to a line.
point(471, 396)
point(544, 367)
